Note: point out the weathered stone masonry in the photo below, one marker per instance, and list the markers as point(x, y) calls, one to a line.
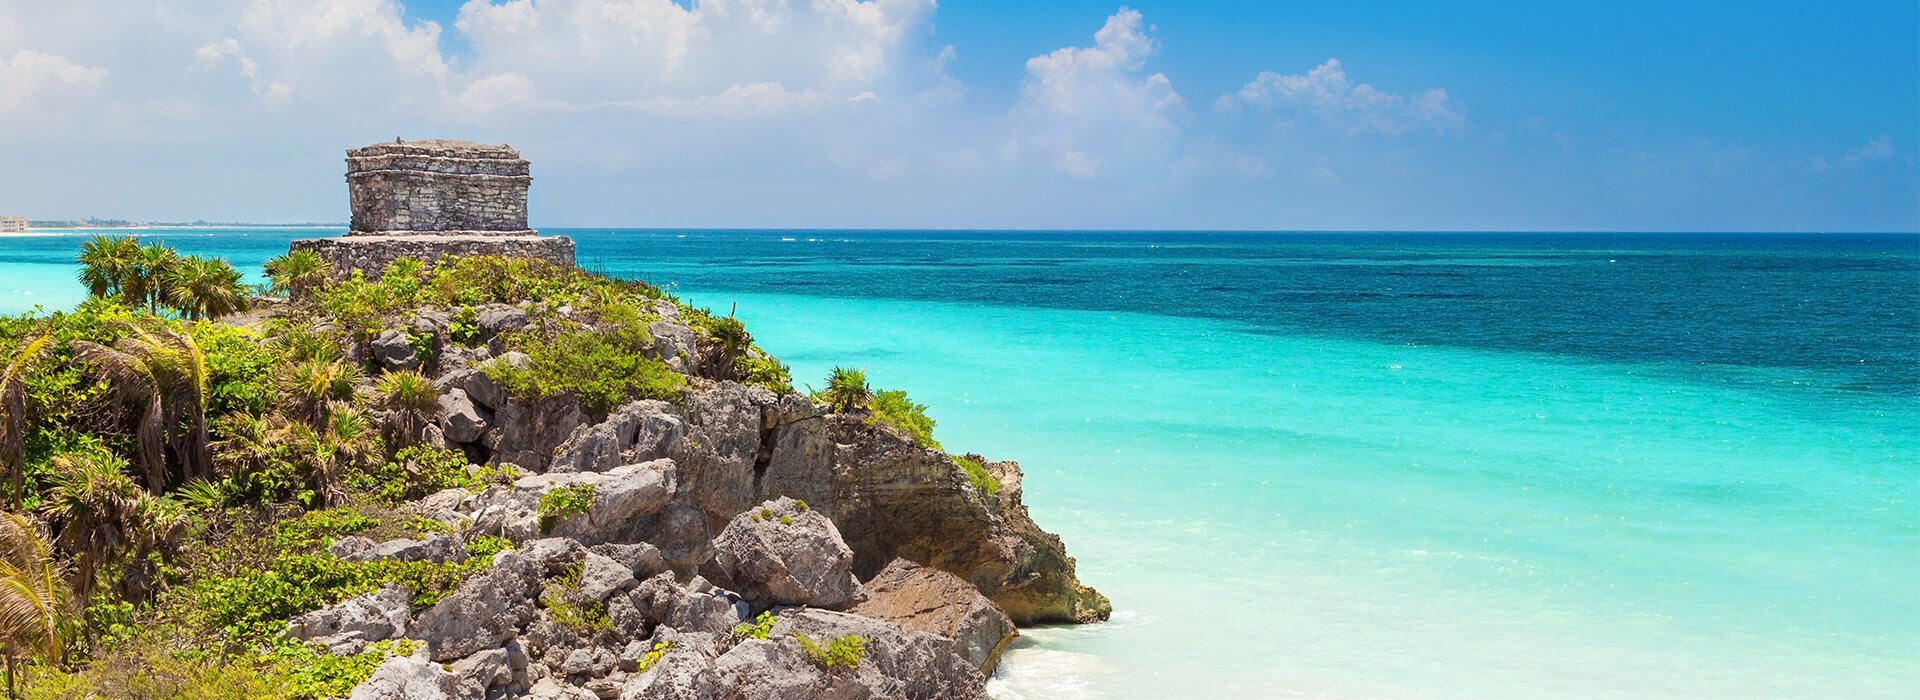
point(426, 199)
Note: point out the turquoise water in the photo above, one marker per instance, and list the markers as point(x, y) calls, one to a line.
point(1383, 466)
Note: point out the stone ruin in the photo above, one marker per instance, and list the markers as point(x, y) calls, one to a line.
point(427, 199)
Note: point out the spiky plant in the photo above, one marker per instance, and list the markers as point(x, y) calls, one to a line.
point(203, 288)
point(36, 605)
point(412, 398)
point(310, 387)
point(847, 390)
point(92, 506)
point(160, 377)
point(13, 408)
point(345, 441)
point(298, 271)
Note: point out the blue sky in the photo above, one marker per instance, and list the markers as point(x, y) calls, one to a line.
point(898, 113)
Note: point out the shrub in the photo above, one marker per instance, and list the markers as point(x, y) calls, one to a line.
point(764, 371)
point(412, 473)
point(315, 529)
point(561, 503)
point(561, 598)
point(760, 628)
point(844, 652)
point(316, 674)
point(604, 371)
point(846, 390)
point(485, 546)
point(977, 473)
point(895, 409)
point(252, 605)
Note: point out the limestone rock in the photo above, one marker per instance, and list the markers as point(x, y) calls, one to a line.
point(484, 611)
point(623, 498)
point(675, 344)
point(460, 418)
point(637, 432)
point(896, 663)
point(495, 319)
point(601, 577)
point(440, 548)
point(347, 626)
point(696, 607)
point(920, 599)
point(526, 433)
point(408, 678)
point(394, 352)
point(641, 559)
point(779, 554)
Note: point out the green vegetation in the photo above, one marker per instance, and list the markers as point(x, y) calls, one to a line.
point(562, 598)
point(760, 628)
point(604, 370)
point(983, 481)
point(895, 409)
point(843, 653)
point(558, 504)
point(172, 483)
point(652, 658)
point(846, 390)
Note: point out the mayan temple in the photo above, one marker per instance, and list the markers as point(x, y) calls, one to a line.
point(426, 199)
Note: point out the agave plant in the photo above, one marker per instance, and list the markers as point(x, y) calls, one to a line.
point(160, 376)
point(13, 408)
point(93, 506)
point(203, 288)
point(298, 271)
point(36, 605)
point(847, 390)
point(412, 398)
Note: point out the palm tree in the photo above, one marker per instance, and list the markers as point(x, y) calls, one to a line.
point(160, 376)
point(412, 398)
point(94, 505)
point(203, 288)
point(734, 342)
point(153, 265)
point(847, 390)
point(298, 271)
point(35, 604)
point(345, 441)
point(109, 265)
point(13, 408)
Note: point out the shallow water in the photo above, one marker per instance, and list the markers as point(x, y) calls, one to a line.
point(1383, 465)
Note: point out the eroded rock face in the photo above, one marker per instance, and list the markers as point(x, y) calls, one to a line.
point(439, 548)
point(781, 554)
point(485, 611)
point(394, 351)
point(920, 599)
point(641, 431)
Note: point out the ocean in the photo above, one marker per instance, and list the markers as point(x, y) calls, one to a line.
point(1356, 465)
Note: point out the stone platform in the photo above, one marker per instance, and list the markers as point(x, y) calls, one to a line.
point(429, 199)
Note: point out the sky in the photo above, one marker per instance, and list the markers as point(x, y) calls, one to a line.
point(1407, 115)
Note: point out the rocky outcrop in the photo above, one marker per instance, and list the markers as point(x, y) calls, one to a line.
point(408, 678)
point(919, 599)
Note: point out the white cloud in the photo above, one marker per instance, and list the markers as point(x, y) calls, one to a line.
point(1326, 94)
point(29, 74)
point(1880, 148)
point(1090, 111)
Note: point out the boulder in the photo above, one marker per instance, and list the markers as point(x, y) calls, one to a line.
point(642, 559)
point(347, 626)
point(676, 345)
point(460, 418)
point(637, 432)
point(491, 673)
point(439, 548)
point(601, 577)
point(408, 678)
point(684, 670)
point(921, 599)
point(485, 611)
point(527, 433)
point(495, 319)
point(782, 554)
point(394, 351)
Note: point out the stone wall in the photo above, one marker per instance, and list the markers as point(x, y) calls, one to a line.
point(371, 254)
point(437, 185)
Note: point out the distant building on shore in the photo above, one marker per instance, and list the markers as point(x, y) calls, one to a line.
point(13, 224)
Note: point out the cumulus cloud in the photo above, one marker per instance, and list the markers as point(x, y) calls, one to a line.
point(1089, 110)
point(29, 74)
point(1327, 95)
